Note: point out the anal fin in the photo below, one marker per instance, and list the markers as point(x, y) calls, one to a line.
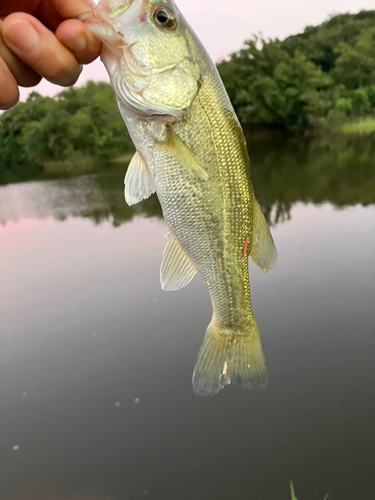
point(177, 270)
point(139, 183)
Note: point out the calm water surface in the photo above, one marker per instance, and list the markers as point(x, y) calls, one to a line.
point(96, 361)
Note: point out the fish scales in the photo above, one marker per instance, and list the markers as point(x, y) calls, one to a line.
point(192, 152)
point(190, 216)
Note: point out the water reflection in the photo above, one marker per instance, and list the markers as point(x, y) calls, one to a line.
point(337, 170)
point(84, 325)
point(98, 197)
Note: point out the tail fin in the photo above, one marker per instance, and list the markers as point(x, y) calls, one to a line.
point(229, 357)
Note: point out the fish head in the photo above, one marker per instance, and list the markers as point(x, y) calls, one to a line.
point(150, 54)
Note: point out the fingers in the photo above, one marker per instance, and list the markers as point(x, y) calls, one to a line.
point(9, 94)
point(7, 7)
point(47, 14)
point(30, 51)
point(38, 48)
point(23, 74)
point(70, 9)
point(79, 40)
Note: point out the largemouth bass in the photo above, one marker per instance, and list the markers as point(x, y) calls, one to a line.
point(190, 150)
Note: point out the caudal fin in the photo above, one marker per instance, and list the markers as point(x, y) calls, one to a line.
point(229, 357)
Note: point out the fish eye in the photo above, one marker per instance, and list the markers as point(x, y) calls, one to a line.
point(164, 18)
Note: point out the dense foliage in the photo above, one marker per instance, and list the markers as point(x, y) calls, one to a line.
point(76, 125)
point(324, 75)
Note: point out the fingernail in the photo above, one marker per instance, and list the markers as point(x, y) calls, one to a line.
point(76, 43)
point(23, 36)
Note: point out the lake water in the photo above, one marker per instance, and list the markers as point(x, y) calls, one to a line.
point(96, 401)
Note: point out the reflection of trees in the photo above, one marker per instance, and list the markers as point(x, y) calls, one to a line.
point(117, 215)
point(113, 207)
point(284, 171)
point(339, 170)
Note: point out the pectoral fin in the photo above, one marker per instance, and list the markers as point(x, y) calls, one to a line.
point(139, 183)
point(181, 152)
point(177, 270)
point(262, 251)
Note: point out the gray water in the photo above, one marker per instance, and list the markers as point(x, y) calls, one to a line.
point(96, 361)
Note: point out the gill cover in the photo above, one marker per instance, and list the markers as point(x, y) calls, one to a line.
point(150, 65)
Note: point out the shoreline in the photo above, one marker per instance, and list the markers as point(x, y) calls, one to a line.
point(79, 164)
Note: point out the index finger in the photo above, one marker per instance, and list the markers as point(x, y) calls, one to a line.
point(9, 6)
point(38, 47)
point(71, 8)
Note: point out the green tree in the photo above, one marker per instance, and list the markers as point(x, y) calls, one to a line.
point(355, 65)
point(273, 87)
point(325, 75)
point(319, 43)
point(76, 125)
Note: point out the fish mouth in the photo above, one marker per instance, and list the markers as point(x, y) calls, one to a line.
point(105, 10)
point(112, 8)
point(86, 17)
point(120, 9)
point(106, 19)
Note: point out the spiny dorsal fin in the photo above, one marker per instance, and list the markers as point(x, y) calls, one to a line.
point(181, 152)
point(139, 184)
point(262, 250)
point(176, 270)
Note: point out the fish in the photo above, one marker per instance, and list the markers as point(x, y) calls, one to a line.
point(191, 151)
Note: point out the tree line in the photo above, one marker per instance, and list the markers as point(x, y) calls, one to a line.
point(79, 124)
point(323, 76)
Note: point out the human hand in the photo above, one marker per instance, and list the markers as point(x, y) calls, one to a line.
point(39, 39)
